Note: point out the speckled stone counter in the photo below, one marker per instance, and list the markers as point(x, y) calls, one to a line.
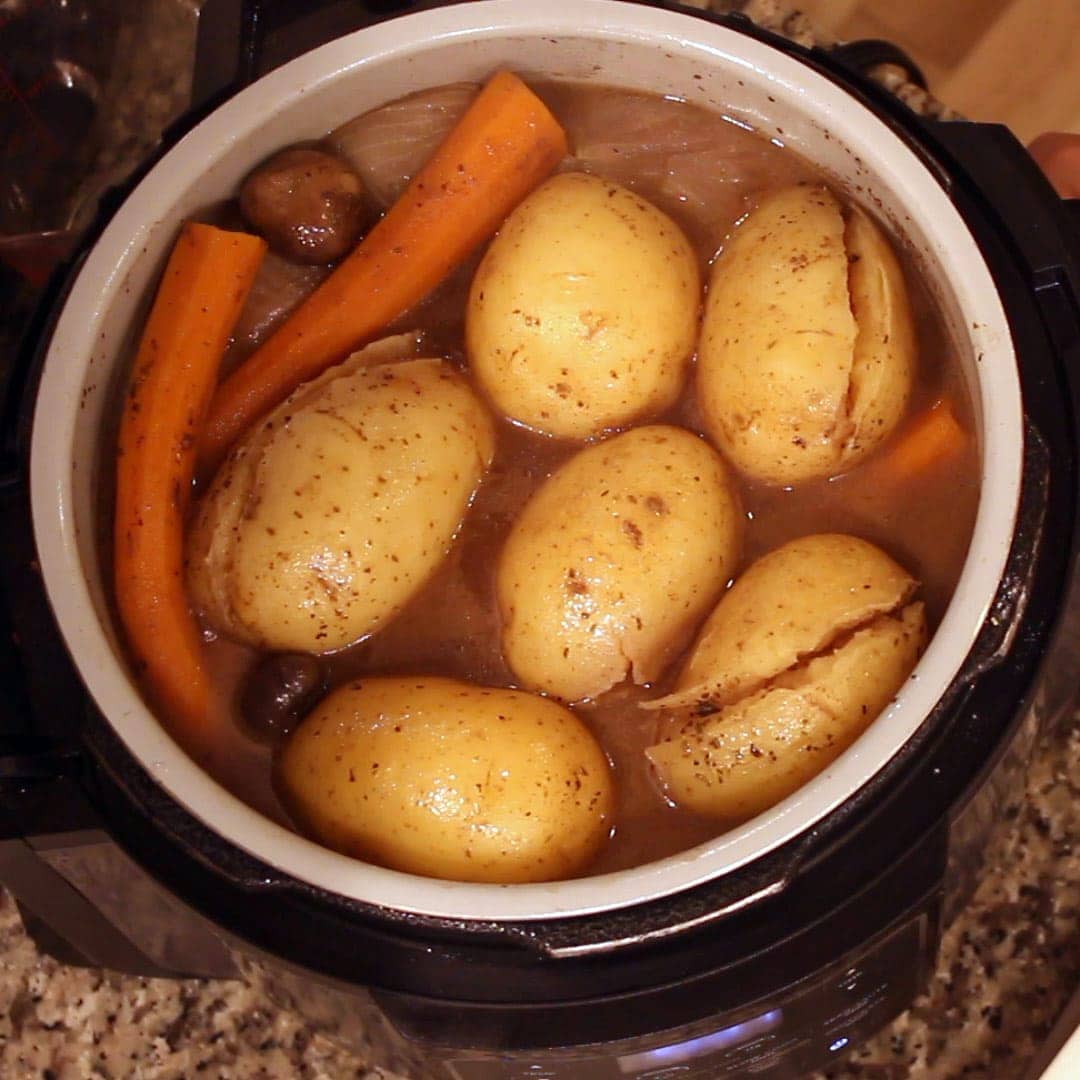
point(1008, 963)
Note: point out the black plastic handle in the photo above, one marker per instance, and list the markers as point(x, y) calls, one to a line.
point(1072, 211)
point(1045, 229)
point(1042, 230)
point(865, 55)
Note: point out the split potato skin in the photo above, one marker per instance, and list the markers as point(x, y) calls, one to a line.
point(582, 316)
point(807, 349)
point(800, 656)
point(883, 369)
point(447, 779)
point(752, 754)
point(791, 603)
point(614, 561)
point(298, 544)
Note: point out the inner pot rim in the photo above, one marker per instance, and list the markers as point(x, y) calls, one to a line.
point(692, 41)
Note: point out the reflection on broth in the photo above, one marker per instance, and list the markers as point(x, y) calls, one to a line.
point(706, 173)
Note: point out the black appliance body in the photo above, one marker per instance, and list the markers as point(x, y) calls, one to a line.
point(771, 970)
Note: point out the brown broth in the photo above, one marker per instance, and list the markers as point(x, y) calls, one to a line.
point(705, 172)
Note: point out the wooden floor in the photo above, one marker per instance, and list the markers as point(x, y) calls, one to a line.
point(1015, 61)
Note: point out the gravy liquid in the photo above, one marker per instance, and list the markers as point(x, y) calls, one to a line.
point(705, 172)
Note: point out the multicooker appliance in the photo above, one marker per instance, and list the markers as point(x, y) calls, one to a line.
point(765, 952)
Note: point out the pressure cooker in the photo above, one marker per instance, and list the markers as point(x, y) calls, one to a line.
point(766, 951)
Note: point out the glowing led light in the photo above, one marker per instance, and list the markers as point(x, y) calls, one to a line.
point(703, 1044)
point(838, 1045)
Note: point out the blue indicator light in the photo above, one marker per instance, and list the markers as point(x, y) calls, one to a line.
point(703, 1044)
point(838, 1045)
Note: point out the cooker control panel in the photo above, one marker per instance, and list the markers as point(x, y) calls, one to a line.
point(816, 1019)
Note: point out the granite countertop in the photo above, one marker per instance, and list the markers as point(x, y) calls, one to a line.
point(1008, 963)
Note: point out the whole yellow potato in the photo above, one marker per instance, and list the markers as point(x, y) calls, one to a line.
point(807, 349)
point(791, 603)
point(615, 559)
point(747, 756)
point(583, 313)
point(337, 508)
point(801, 654)
point(444, 778)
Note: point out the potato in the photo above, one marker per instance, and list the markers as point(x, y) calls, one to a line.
point(885, 349)
point(751, 754)
point(338, 507)
point(614, 560)
point(791, 603)
point(583, 313)
point(439, 777)
point(807, 350)
point(806, 649)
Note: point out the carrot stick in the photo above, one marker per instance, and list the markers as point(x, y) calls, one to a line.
point(500, 149)
point(935, 436)
point(198, 302)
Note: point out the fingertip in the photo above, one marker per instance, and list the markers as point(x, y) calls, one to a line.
point(1058, 154)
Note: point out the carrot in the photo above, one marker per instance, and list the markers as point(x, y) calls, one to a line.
point(205, 283)
point(501, 148)
point(934, 437)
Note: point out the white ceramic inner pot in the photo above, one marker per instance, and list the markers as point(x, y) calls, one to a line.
point(599, 41)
